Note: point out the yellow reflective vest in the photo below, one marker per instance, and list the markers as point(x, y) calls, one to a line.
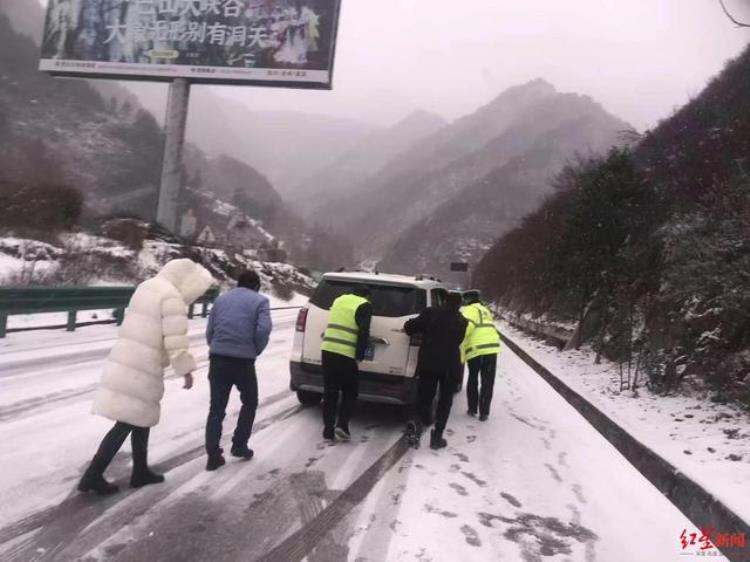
point(482, 337)
point(342, 332)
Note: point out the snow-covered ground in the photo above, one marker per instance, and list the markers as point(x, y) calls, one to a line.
point(85, 259)
point(534, 482)
point(708, 442)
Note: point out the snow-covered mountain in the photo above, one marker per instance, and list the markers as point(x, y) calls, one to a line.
point(528, 154)
point(449, 195)
point(350, 172)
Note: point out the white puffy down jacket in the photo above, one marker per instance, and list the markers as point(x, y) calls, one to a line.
point(153, 335)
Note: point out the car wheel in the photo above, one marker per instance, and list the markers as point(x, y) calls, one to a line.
point(308, 398)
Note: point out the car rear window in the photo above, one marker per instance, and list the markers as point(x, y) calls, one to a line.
point(389, 301)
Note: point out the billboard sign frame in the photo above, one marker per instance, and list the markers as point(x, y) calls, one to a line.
point(272, 43)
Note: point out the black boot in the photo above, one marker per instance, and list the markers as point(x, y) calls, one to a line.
point(142, 474)
point(436, 440)
point(145, 476)
point(242, 452)
point(92, 481)
point(343, 433)
point(215, 460)
point(413, 433)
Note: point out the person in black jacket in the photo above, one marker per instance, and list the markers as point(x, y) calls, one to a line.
point(443, 330)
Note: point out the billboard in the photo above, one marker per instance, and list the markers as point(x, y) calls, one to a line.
point(261, 42)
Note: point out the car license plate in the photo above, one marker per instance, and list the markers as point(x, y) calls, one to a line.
point(369, 353)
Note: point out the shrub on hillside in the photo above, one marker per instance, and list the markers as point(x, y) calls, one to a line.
point(46, 208)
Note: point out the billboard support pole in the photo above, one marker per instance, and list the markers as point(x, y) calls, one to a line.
point(174, 128)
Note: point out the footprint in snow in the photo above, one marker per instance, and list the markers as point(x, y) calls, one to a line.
point(461, 457)
point(553, 472)
point(460, 490)
point(547, 536)
point(578, 491)
point(486, 519)
point(478, 481)
point(472, 537)
point(447, 514)
point(471, 438)
point(510, 499)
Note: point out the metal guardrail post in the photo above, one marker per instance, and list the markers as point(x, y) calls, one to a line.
point(204, 311)
point(71, 325)
point(191, 311)
point(119, 315)
point(3, 325)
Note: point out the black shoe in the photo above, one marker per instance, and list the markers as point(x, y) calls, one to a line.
point(483, 417)
point(97, 484)
point(144, 478)
point(343, 434)
point(215, 460)
point(472, 413)
point(437, 441)
point(412, 434)
point(329, 435)
point(242, 452)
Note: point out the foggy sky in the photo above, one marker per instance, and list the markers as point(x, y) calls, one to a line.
point(639, 58)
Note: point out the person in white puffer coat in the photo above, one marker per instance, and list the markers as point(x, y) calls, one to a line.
point(152, 336)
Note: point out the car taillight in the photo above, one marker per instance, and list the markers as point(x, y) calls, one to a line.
point(301, 320)
point(415, 340)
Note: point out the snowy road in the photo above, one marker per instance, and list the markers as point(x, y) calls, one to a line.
point(534, 482)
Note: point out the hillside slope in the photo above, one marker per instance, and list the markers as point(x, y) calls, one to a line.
point(649, 252)
point(350, 172)
point(417, 181)
point(466, 225)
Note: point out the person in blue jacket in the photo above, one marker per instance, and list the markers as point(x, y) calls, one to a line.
point(237, 333)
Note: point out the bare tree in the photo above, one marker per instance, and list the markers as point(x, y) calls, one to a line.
point(734, 20)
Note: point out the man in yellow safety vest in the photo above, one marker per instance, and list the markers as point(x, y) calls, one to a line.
point(481, 348)
point(344, 343)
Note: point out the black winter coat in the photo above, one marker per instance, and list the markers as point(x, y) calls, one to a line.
point(442, 331)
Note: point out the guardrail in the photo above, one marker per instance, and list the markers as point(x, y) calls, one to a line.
point(36, 300)
point(556, 334)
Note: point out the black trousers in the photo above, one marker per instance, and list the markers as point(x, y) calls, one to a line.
point(481, 367)
point(340, 377)
point(428, 383)
point(223, 373)
point(112, 443)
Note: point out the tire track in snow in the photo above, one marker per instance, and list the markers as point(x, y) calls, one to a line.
point(302, 542)
point(12, 369)
point(30, 406)
point(78, 511)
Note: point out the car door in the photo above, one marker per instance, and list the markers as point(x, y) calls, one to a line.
point(392, 306)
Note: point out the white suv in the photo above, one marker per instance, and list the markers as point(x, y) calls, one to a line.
point(387, 374)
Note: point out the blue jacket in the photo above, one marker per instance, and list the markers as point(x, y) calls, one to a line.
point(239, 324)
